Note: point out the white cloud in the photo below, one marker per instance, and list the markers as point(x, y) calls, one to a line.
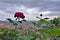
point(4, 15)
point(31, 8)
point(45, 12)
point(30, 13)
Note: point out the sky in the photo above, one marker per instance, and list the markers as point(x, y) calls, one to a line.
point(31, 8)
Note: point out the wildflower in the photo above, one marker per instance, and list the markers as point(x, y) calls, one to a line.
point(19, 15)
point(41, 15)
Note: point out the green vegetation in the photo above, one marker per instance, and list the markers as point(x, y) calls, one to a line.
point(42, 30)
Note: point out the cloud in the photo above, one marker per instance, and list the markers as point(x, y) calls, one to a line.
point(42, 5)
point(31, 8)
point(53, 13)
point(4, 15)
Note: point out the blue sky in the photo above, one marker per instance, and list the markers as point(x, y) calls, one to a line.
point(31, 8)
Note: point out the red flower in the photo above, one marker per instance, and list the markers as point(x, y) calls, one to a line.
point(19, 15)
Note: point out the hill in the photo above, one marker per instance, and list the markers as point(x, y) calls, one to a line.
point(6, 24)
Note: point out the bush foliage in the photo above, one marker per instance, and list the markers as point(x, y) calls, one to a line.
point(42, 30)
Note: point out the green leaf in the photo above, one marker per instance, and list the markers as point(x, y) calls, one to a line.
point(20, 21)
point(24, 20)
point(23, 38)
point(10, 20)
point(38, 17)
point(54, 31)
point(34, 23)
point(42, 20)
point(46, 18)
